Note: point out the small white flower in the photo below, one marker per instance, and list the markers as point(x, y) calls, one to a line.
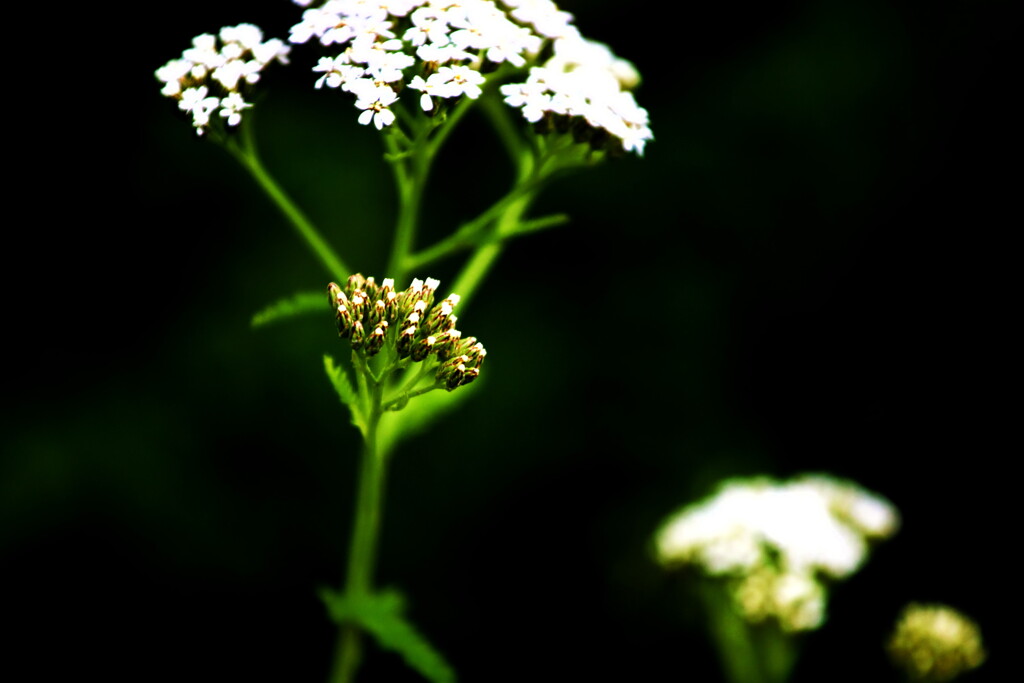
point(231, 72)
point(461, 80)
point(530, 97)
point(375, 102)
point(314, 23)
point(231, 108)
point(191, 98)
point(428, 25)
point(273, 49)
point(246, 35)
point(427, 88)
point(231, 51)
point(205, 42)
point(172, 74)
point(547, 19)
point(204, 52)
point(331, 75)
point(337, 72)
point(197, 102)
point(387, 65)
point(442, 54)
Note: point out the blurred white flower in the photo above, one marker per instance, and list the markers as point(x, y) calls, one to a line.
point(779, 539)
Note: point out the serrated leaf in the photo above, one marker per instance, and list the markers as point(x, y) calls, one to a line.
point(299, 304)
point(341, 382)
point(381, 615)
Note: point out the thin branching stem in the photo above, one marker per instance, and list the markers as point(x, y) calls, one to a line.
point(246, 153)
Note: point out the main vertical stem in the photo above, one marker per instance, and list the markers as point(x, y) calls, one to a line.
point(365, 532)
point(366, 525)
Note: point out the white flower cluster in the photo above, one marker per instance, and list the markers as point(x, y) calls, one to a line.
point(236, 55)
point(779, 540)
point(449, 43)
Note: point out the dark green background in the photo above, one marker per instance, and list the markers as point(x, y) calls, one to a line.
point(810, 270)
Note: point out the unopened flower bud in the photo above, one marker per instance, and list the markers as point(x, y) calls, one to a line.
point(377, 312)
point(358, 300)
point(422, 348)
point(344, 320)
point(371, 289)
point(405, 341)
point(441, 318)
point(375, 342)
point(446, 344)
point(358, 334)
point(333, 291)
point(355, 281)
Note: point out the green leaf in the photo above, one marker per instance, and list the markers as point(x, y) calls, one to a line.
point(299, 304)
point(342, 384)
point(381, 615)
point(419, 414)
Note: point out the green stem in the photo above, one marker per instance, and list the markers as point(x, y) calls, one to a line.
point(485, 255)
point(749, 653)
point(366, 525)
point(736, 650)
point(411, 174)
point(349, 655)
point(498, 112)
point(451, 120)
point(412, 168)
point(365, 532)
point(249, 158)
point(463, 237)
point(390, 405)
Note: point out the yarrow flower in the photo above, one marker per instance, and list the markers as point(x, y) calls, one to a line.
point(233, 58)
point(374, 317)
point(935, 643)
point(775, 543)
point(446, 50)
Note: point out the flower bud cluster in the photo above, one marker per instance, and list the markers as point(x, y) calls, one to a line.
point(777, 541)
point(371, 315)
point(443, 49)
point(935, 643)
point(226, 61)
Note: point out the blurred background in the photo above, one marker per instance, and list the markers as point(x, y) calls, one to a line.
point(809, 270)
